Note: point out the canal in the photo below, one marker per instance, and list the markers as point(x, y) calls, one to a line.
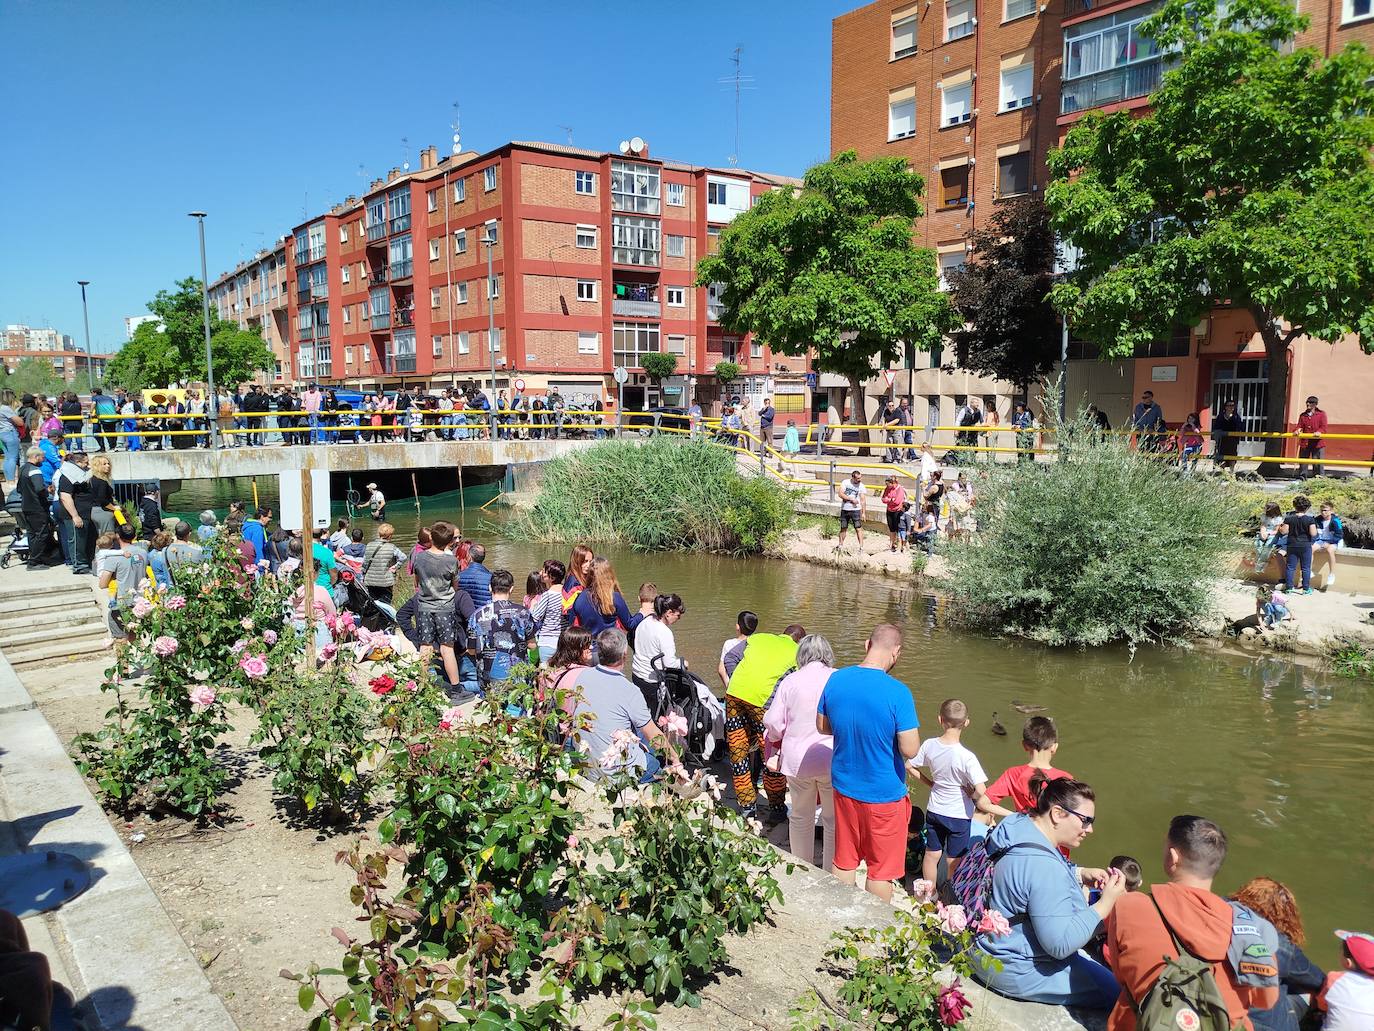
point(1276, 752)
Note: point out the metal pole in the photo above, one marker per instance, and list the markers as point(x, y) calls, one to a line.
point(491, 331)
point(620, 408)
point(1063, 370)
point(211, 403)
point(86, 318)
point(832, 481)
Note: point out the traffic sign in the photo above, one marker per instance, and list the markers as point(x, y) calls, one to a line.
point(811, 380)
point(520, 385)
point(621, 374)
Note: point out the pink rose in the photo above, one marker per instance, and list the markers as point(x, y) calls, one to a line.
point(269, 637)
point(677, 724)
point(572, 841)
point(450, 718)
point(994, 923)
point(952, 1005)
point(202, 697)
point(165, 646)
point(254, 666)
point(176, 601)
point(142, 607)
point(237, 647)
point(346, 621)
point(953, 920)
point(328, 652)
point(246, 623)
point(923, 890)
point(411, 686)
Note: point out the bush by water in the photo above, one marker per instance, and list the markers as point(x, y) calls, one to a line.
point(1105, 544)
point(661, 495)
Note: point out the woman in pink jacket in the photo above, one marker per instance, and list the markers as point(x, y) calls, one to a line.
point(804, 755)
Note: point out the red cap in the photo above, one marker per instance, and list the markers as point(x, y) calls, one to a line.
point(1361, 948)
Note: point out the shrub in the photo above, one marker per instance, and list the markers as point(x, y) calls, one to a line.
point(658, 365)
point(1104, 544)
point(661, 495)
point(726, 372)
point(830, 528)
point(1351, 656)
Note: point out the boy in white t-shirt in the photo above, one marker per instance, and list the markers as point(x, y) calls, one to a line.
point(956, 781)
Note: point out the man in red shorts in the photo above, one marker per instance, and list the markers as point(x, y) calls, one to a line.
point(873, 719)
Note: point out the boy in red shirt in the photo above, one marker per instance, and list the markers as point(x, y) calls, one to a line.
point(1040, 739)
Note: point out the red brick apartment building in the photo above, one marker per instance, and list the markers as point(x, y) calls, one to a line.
point(974, 93)
point(592, 266)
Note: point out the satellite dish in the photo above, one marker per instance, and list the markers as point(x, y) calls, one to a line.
point(624, 146)
point(455, 137)
point(455, 148)
point(637, 145)
point(405, 166)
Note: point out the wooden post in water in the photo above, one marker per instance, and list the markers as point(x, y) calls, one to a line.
point(414, 493)
point(462, 504)
point(308, 561)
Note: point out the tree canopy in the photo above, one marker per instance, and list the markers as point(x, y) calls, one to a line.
point(1248, 182)
point(1011, 330)
point(658, 365)
point(832, 269)
point(173, 349)
point(35, 376)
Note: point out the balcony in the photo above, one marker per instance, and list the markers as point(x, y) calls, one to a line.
point(320, 289)
point(315, 253)
point(636, 309)
point(306, 333)
point(381, 320)
point(1110, 87)
point(376, 231)
point(400, 269)
point(400, 223)
point(714, 310)
point(1077, 7)
point(404, 317)
point(303, 295)
point(398, 364)
point(378, 273)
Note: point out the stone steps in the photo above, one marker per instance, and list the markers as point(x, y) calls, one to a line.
point(81, 611)
point(67, 648)
point(14, 638)
point(78, 594)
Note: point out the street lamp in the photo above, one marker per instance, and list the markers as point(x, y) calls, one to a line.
point(489, 240)
point(211, 404)
point(86, 317)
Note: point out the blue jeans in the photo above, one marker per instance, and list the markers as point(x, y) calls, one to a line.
point(652, 767)
point(10, 442)
point(1079, 981)
point(1299, 557)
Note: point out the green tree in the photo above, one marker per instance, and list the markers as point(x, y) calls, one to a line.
point(1011, 330)
point(726, 372)
point(832, 270)
point(174, 349)
point(35, 376)
point(1248, 182)
point(658, 366)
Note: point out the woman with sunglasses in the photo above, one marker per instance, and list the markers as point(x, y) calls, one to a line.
point(1041, 895)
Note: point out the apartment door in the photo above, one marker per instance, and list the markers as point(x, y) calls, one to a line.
point(1246, 382)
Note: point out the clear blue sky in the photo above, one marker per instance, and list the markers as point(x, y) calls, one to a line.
point(118, 118)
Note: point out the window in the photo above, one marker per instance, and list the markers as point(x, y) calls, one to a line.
point(677, 296)
point(491, 235)
point(959, 20)
point(347, 314)
point(1013, 174)
point(634, 241)
point(755, 348)
point(379, 300)
point(585, 183)
point(489, 178)
point(676, 195)
point(438, 346)
point(901, 114)
point(954, 186)
point(1108, 60)
point(433, 250)
point(1019, 9)
point(950, 262)
point(435, 296)
point(631, 339)
point(588, 343)
point(903, 33)
point(348, 356)
point(493, 286)
point(462, 289)
point(1018, 87)
point(586, 236)
point(495, 338)
point(343, 234)
point(1354, 10)
point(343, 274)
point(586, 289)
point(460, 191)
point(677, 247)
point(460, 241)
point(634, 187)
point(677, 345)
point(956, 104)
point(432, 200)
point(712, 239)
point(463, 347)
point(715, 193)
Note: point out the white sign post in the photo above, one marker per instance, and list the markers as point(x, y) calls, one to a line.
point(621, 375)
point(292, 499)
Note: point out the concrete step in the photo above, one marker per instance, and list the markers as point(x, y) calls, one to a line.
point(78, 594)
point(13, 639)
point(58, 651)
point(81, 610)
point(12, 593)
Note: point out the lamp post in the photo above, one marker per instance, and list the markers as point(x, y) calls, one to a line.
point(489, 241)
point(86, 317)
point(211, 403)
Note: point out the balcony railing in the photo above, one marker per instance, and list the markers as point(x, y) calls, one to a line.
point(316, 253)
point(1075, 7)
point(400, 223)
point(378, 273)
point(376, 230)
point(953, 32)
point(714, 310)
point(382, 320)
point(319, 289)
point(307, 333)
point(404, 317)
point(640, 309)
point(400, 269)
point(398, 364)
point(641, 256)
point(1134, 80)
point(303, 295)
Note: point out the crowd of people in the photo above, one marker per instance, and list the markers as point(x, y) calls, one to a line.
point(934, 509)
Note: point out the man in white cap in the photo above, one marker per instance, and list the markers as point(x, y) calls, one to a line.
point(376, 501)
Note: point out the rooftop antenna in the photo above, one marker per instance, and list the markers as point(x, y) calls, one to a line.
point(405, 153)
point(739, 83)
point(456, 126)
point(568, 129)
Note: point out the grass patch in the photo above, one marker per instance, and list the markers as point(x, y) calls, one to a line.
point(661, 495)
point(1350, 656)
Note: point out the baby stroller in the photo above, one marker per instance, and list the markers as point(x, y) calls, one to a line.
point(18, 547)
point(685, 694)
point(373, 614)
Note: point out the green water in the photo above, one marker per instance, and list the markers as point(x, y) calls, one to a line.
point(1275, 752)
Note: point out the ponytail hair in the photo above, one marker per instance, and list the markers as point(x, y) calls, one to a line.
point(1065, 792)
point(665, 603)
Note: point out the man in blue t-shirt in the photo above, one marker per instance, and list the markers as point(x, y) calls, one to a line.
point(873, 720)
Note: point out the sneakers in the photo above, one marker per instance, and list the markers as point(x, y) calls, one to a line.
point(1307, 590)
point(771, 816)
point(1330, 579)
